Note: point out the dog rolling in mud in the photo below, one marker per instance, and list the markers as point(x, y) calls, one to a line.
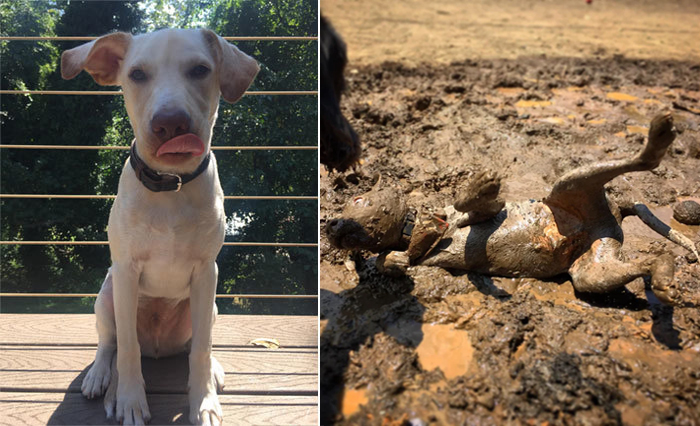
point(575, 229)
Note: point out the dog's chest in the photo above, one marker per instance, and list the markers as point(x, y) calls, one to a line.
point(169, 241)
point(176, 230)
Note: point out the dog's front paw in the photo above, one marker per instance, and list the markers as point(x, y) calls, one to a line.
point(205, 410)
point(481, 191)
point(132, 407)
point(97, 379)
point(393, 264)
point(110, 399)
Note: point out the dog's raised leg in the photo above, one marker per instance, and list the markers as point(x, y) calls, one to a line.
point(583, 189)
point(203, 381)
point(98, 377)
point(582, 192)
point(480, 200)
point(601, 269)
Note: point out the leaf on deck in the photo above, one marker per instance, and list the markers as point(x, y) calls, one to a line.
point(268, 343)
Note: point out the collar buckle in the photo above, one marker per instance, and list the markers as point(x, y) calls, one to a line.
point(179, 179)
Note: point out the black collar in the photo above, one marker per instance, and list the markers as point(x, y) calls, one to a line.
point(157, 181)
point(408, 225)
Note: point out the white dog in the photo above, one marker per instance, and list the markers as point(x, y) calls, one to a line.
point(167, 224)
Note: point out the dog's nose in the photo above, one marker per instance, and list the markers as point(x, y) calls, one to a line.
point(166, 124)
point(336, 227)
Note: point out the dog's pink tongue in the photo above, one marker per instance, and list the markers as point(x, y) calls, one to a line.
point(183, 144)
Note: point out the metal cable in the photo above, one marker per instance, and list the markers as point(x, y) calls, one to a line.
point(126, 148)
point(219, 296)
point(89, 38)
point(104, 243)
point(111, 197)
point(119, 92)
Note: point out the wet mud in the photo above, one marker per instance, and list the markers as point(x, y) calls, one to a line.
point(434, 347)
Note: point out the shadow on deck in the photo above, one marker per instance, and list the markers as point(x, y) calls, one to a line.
point(43, 359)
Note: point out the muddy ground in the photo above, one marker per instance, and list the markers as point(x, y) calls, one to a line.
point(439, 348)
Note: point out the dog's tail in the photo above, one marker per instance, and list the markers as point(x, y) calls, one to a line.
point(653, 222)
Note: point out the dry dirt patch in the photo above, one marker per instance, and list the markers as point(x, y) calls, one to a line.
point(419, 31)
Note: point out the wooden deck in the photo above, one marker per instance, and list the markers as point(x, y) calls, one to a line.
point(43, 359)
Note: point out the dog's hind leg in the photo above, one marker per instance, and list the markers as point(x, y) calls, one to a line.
point(98, 377)
point(601, 269)
point(110, 399)
point(217, 371)
point(217, 374)
point(583, 187)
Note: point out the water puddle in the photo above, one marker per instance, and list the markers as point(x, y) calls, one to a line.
point(552, 120)
point(511, 91)
point(642, 357)
point(619, 96)
point(352, 400)
point(597, 122)
point(532, 104)
point(445, 348)
point(633, 226)
point(637, 129)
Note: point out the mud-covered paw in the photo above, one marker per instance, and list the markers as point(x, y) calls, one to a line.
point(662, 281)
point(205, 410)
point(668, 296)
point(393, 264)
point(482, 189)
point(661, 135)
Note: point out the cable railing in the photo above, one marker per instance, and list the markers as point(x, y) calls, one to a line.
point(218, 296)
point(111, 197)
point(124, 148)
point(119, 92)
point(90, 38)
point(104, 243)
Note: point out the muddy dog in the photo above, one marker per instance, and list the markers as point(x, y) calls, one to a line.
point(575, 229)
point(340, 145)
point(167, 223)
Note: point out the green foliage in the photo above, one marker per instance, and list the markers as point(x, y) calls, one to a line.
point(94, 120)
point(53, 120)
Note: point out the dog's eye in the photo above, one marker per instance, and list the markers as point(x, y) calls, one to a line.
point(198, 72)
point(138, 75)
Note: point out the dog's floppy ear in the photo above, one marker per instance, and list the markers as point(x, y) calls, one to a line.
point(236, 69)
point(101, 58)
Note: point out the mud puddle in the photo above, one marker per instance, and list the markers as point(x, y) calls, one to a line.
point(445, 348)
point(519, 351)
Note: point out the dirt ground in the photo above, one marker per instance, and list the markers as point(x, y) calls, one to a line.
point(419, 31)
point(441, 348)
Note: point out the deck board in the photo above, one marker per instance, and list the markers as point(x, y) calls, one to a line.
point(34, 408)
point(43, 359)
point(229, 330)
point(48, 368)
